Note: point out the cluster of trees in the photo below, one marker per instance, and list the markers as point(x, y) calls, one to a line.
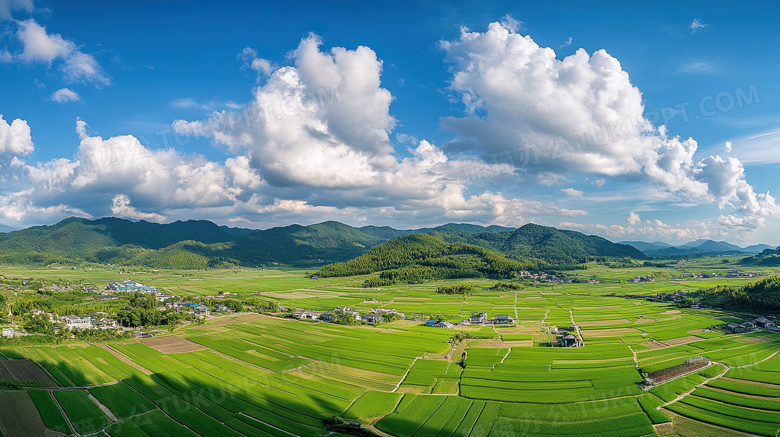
point(504, 286)
point(461, 288)
point(763, 295)
point(231, 304)
point(345, 319)
point(26, 303)
point(658, 264)
point(40, 324)
point(15, 384)
point(142, 311)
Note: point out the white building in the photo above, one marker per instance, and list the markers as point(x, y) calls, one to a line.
point(77, 322)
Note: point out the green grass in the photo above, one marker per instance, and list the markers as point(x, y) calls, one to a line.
point(85, 416)
point(50, 413)
point(649, 403)
point(373, 404)
point(122, 400)
point(724, 420)
point(712, 371)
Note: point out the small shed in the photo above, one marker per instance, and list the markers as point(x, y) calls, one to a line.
point(735, 328)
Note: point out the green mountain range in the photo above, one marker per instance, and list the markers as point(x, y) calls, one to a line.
point(545, 243)
point(201, 244)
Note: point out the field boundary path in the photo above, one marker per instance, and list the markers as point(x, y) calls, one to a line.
point(377, 431)
point(397, 386)
point(726, 368)
point(123, 358)
point(62, 411)
point(102, 407)
point(516, 316)
point(636, 361)
point(753, 364)
point(576, 327)
point(267, 424)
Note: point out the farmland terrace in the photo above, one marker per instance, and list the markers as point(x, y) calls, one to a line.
point(247, 375)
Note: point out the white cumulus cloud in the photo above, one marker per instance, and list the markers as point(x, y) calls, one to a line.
point(65, 95)
point(579, 114)
point(41, 46)
point(121, 208)
point(15, 138)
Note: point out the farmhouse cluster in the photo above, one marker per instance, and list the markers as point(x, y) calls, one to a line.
point(675, 297)
point(377, 315)
point(474, 319)
point(730, 274)
point(766, 323)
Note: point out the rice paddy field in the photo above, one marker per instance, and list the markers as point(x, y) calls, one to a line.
point(256, 375)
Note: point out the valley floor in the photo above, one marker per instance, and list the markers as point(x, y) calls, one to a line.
point(249, 374)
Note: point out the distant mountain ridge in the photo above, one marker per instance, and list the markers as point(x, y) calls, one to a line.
point(202, 244)
point(697, 247)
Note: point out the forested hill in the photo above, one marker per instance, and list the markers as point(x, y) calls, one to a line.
point(546, 243)
point(422, 257)
point(200, 244)
point(760, 295)
point(78, 239)
point(769, 257)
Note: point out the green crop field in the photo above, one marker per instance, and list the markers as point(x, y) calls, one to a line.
point(262, 375)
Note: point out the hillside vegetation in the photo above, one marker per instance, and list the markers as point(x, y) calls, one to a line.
point(422, 257)
point(546, 243)
point(768, 258)
point(763, 294)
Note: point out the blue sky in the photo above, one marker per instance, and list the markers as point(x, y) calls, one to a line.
point(653, 122)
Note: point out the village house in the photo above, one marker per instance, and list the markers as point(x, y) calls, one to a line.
point(347, 311)
point(569, 340)
point(305, 315)
point(503, 320)
point(763, 322)
point(639, 279)
point(373, 319)
point(107, 296)
point(84, 322)
point(384, 312)
point(735, 328)
point(201, 310)
point(478, 318)
point(328, 317)
point(445, 325)
point(104, 323)
point(132, 287)
point(8, 332)
point(43, 313)
point(221, 309)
